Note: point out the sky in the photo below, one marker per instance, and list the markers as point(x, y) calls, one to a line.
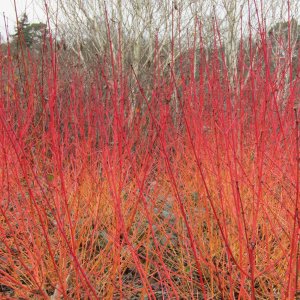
point(33, 8)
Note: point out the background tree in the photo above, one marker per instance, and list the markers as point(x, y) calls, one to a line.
point(29, 34)
point(136, 24)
